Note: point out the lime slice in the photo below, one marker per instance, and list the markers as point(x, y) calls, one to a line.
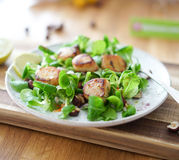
point(21, 60)
point(6, 48)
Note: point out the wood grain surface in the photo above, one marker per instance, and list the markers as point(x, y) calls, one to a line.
point(113, 19)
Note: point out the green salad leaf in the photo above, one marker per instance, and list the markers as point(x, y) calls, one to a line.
point(66, 111)
point(131, 110)
point(68, 63)
point(98, 60)
point(48, 88)
point(46, 50)
point(131, 87)
point(28, 96)
point(19, 85)
point(125, 53)
point(111, 46)
point(135, 68)
point(69, 84)
point(109, 114)
point(132, 83)
point(95, 108)
point(29, 71)
point(64, 80)
point(116, 100)
point(82, 42)
point(98, 47)
point(143, 83)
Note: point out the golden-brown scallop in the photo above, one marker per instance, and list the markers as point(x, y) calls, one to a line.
point(68, 52)
point(97, 87)
point(48, 75)
point(84, 63)
point(113, 62)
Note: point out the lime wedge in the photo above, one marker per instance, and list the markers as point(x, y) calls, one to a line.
point(6, 48)
point(21, 60)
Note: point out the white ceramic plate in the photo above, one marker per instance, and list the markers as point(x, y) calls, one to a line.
point(153, 96)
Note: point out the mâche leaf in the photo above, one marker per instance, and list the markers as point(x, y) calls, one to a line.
point(82, 42)
point(109, 114)
point(29, 71)
point(66, 111)
point(95, 108)
point(98, 47)
point(131, 110)
point(51, 89)
point(46, 50)
point(19, 85)
point(125, 53)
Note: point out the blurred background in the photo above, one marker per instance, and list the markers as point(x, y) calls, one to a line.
point(28, 23)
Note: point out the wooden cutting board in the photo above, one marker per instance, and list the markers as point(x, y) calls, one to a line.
point(147, 135)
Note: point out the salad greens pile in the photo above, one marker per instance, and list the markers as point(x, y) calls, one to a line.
point(47, 97)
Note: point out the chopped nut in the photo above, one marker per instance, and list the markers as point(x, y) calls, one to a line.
point(78, 100)
point(30, 84)
point(92, 24)
point(75, 112)
point(138, 95)
point(50, 27)
point(59, 28)
point(57, 100)
point(27, 31)
point(47, 36)
point(56, 28)
point(80, 85)
point(173, 126)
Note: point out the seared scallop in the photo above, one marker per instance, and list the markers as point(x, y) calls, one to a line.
point(48, 75)
point(68, 52)
point(99, 87)
point(84, 63)
point(113, 62)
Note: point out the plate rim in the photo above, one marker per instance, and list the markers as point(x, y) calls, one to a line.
point(90, 123)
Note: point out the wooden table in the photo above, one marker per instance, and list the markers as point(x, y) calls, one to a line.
point(111, 19)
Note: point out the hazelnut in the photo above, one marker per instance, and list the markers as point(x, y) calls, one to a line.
point(173, 126)
point(75, 112)
point(78, 100)
point(92, 24)
point(47, 36)
point(27, 31)
point(59, 28)
point(80, 85)
point(30, 84)
point(138, 95)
